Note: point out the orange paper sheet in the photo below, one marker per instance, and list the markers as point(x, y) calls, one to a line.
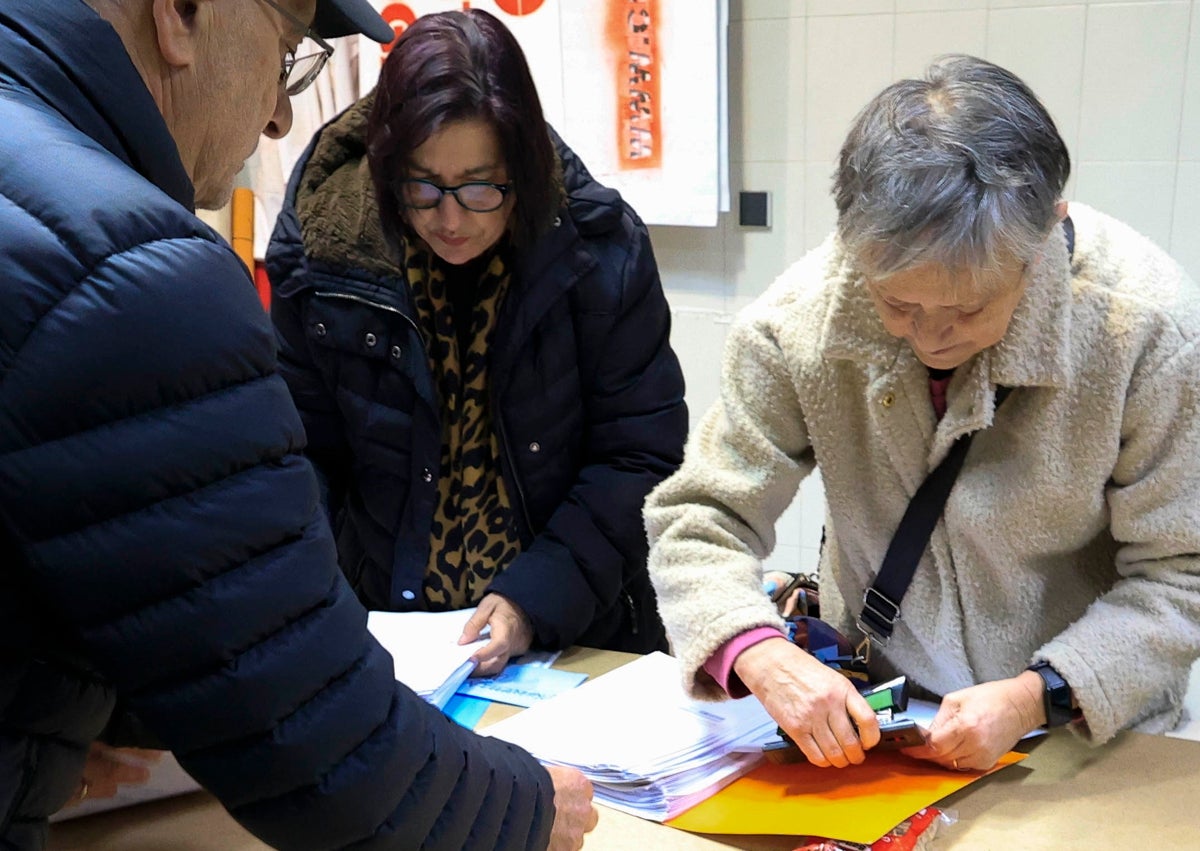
point(856, 804)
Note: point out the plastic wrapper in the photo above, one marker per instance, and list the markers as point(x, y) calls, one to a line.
point(915, 833)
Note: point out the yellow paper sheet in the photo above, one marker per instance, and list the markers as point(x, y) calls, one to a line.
point(856, 804)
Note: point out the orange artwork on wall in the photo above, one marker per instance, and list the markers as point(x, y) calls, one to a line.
point(633, 34)
point(519, 7)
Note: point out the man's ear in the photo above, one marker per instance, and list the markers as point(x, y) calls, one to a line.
point(1060, 210)
point(175, 24)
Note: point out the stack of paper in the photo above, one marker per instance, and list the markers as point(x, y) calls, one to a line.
point(648, 749)
point(425, 649)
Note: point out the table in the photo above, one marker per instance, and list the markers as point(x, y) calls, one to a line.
point(1136, 791)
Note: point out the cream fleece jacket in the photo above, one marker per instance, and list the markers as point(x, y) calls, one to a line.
point(1073, 532)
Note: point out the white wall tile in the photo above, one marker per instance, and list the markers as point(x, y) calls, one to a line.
point(1189, 137)
point(820, 211)
point(796, 131)
point(787, 529)
point(812, 510)
point(1009, 4)
point(783, 558)
point(705, 300)
point(766, 103)
point(850, 7)
point(686, 243)
point(749, 10)
point(923, 36)
point(698, 338)
point(849, 61)
point(691, 263)
point(1185, 225)
point(810, 560)
point(1134, 63)
point(1139, 194)
point(756, 256)
point(1044, 47)
point(939, 5)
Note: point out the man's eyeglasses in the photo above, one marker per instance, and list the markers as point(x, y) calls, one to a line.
point(477, 196)
point(298, 72)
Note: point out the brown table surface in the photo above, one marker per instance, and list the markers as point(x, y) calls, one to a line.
point(1138, 791)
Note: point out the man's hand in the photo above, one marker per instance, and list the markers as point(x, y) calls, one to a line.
point(818, 707)
point(108, 768)
point(511, 634)
point(574, 814)
point(977, 725)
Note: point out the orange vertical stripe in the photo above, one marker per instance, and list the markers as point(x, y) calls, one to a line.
point(633, 30)
point(241, 225)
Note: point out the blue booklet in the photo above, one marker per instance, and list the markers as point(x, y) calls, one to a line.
point(522, 685)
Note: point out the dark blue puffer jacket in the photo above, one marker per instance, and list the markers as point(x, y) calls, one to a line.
point(162, 543)
point(587, 396)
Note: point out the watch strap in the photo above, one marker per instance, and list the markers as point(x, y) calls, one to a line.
point(1056, 695)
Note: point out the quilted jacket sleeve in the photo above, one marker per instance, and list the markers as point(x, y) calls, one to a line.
point(636, 425)
point(151, 475)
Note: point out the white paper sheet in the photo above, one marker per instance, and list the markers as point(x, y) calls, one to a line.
point(424, 646)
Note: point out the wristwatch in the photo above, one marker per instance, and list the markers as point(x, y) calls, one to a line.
point(1056, 695)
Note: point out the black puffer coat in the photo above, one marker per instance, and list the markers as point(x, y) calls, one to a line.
point(587, 396)
point(162, 542)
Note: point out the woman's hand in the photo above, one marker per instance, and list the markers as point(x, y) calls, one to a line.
point(976, 726)
point(107, 769)
point(818, 707)
point(511, 634)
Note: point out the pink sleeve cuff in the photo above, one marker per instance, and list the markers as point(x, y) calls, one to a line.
point(720, 665)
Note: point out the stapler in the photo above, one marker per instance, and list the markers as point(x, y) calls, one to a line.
point(886, 699)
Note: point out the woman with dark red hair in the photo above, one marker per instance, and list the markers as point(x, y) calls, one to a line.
point(477, 339)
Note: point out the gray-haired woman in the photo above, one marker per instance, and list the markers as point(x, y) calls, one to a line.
point(1061, 583)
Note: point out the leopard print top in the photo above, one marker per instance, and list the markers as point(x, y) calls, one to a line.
point(473, 536)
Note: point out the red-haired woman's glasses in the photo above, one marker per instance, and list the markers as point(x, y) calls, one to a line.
point(478, 196)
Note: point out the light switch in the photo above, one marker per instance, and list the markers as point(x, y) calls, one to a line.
point(754, 209)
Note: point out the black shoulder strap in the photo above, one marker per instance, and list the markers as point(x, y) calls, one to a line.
point(881, 602)
point(1069, 230)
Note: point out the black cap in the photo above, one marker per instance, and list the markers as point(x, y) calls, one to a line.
point(349, 17)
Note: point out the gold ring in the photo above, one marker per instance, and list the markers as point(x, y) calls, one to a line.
point(84, 788)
